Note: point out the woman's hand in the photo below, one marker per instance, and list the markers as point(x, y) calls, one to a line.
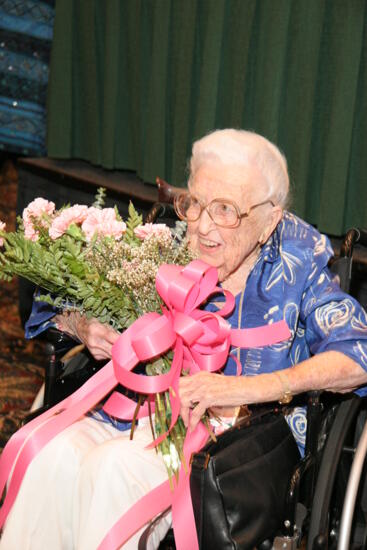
point(206, 390)
point(98, 338)
point(331, 370)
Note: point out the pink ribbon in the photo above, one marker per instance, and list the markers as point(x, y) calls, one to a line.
point(201, 340)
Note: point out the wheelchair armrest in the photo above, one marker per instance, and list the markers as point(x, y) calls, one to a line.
point(314, 410)
point(353, 236)
point(55, 336)
point(57, 345)
point(60, 341)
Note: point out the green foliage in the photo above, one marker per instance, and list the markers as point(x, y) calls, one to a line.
point(132, 222)
point(75, 232)
point(100, 197)
point(70, 282)
point(20, 223)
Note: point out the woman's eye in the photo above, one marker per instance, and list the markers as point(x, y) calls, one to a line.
point(194, 204)
point(223, 209)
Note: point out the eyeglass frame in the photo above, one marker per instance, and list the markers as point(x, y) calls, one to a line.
point(240, 215)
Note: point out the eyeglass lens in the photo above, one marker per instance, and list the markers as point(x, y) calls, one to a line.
point(222, 212)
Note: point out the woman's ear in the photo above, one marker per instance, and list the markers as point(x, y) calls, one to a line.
point(270, 223)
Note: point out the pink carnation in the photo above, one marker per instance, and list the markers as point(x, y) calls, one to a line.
point(104, 222)
point(144, 231)
point(2, 228)
point(36, 210)
point(75, 214)
point(29, 231)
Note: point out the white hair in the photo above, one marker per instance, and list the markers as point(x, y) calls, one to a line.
point(241, 148)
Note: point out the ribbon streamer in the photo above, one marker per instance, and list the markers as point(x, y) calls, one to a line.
point(200, 340)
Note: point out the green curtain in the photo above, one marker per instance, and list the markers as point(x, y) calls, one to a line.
point(134, 82)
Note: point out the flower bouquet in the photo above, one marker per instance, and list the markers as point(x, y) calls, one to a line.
point(87, 259)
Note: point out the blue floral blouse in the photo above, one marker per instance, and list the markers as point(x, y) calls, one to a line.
point(289, 281)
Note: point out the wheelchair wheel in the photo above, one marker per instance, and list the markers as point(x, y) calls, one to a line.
point(332, 478)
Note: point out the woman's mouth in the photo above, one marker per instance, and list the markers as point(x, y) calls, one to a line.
point(207, 245)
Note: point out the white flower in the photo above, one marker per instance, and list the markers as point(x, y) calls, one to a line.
point(172, 459)
point(175, 459)
point(148, 229)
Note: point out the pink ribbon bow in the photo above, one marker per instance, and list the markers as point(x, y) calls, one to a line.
point(201, 341)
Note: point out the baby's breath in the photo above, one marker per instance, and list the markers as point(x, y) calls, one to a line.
point(134, 268)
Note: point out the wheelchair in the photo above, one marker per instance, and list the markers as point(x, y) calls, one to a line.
point(336, 432)
point(318, 516)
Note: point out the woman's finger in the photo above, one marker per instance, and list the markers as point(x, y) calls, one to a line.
point(197, 412)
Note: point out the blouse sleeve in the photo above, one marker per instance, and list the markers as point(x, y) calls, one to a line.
point(40, 318)
point(333, 320)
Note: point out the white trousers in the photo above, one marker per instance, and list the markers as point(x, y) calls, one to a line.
point(79, 485)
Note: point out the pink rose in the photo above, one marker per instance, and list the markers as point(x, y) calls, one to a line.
point(36, 210)
point(75, 214)
point(104, 222)
point(144, 231)
point(2, 228)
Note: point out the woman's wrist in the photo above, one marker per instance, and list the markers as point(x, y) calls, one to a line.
point(286, 395)
point(69, 322)
point(266, 387)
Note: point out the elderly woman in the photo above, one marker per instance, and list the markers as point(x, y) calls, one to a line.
point(276, 267)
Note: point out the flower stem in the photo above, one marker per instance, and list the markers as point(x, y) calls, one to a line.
point(141, 400)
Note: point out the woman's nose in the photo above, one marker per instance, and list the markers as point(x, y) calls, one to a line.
point(205, 222)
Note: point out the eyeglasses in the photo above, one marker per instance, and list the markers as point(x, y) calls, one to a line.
point(223, 212)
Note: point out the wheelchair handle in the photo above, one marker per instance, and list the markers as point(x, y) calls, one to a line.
point(158, 210)
point(362, 237)
point(353, 236)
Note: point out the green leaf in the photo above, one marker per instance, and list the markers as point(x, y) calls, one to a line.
point(132, 222)
point(99, 198)
point(89, 302)
point(75, 232)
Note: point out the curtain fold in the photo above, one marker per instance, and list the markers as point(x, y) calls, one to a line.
point(134, 82)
